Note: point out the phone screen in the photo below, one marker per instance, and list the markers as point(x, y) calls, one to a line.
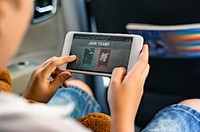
point(99, 53)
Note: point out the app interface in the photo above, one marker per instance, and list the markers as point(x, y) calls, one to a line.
point(99, 53)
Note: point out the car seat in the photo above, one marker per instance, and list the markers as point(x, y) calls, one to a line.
point(170, 79)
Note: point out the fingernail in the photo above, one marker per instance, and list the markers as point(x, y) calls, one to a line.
point(66, 76)
point(72, 56)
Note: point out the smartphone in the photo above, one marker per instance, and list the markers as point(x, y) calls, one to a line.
point(100, 53)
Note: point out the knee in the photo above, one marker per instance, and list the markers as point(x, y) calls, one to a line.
point(81, 85)
point(194, 103)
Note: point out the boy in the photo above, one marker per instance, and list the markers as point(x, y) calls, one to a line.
point(14, 17)
point(124, 95)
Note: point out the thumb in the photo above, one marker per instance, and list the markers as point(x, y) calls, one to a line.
point(117, 76)
point(59, 80)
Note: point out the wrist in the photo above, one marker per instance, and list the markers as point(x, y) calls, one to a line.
point(126, 117)
point(121, 124)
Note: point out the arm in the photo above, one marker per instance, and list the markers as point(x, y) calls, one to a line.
point(125, 92)
point(40, 88)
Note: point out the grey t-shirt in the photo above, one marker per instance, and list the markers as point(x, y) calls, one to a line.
point(17, 115)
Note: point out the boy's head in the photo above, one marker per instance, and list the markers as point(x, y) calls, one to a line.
point(14, 19)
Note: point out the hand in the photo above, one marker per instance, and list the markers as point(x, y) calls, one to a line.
point(125, 92)
point(40, 88)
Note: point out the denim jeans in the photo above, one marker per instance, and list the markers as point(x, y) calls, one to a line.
point(175, 118)
point(84, 103)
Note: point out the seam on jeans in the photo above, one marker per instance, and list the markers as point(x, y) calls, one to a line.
point(190, 113)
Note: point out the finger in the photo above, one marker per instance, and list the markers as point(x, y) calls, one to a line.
point(44, 65)
point(47, 61)
point(142, 62)
point(145, 53)
point(59, 80)
point(54, 57)
point(54, 63)
point(145, 73)
point(56, 72)
point(117, 76)
point(65, 84)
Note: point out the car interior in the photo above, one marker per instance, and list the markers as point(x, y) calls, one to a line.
point(170, 80)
